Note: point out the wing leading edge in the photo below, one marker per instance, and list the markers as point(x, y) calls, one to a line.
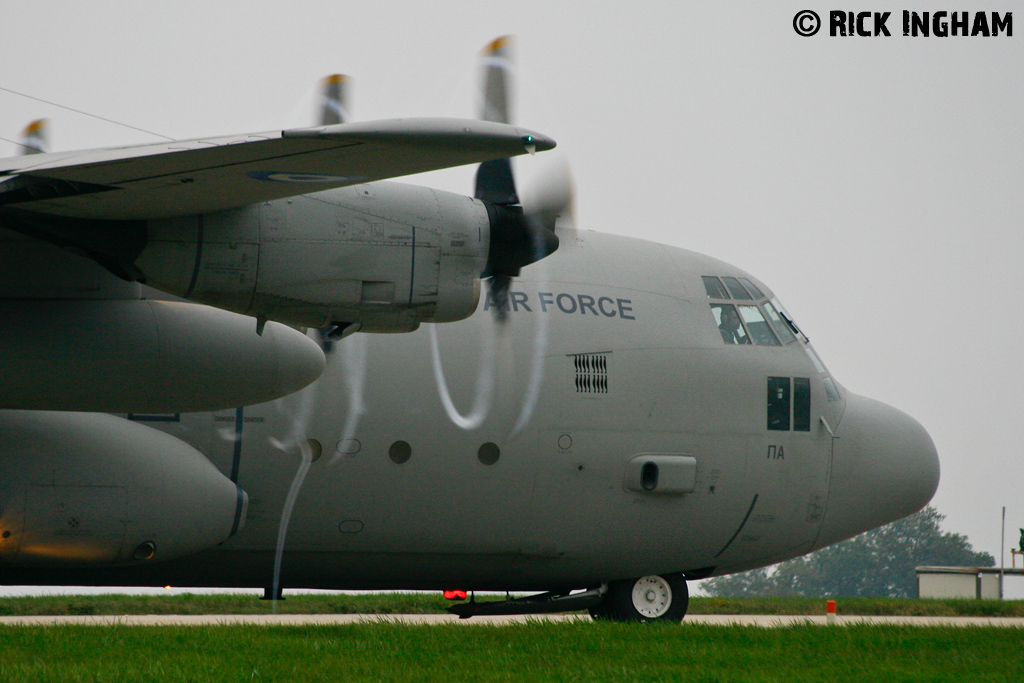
point(211, 174)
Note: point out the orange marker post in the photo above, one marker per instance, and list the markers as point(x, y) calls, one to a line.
point(830, 611)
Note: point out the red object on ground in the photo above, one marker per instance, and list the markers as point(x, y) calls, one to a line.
point(455, 595)
point(830, 607)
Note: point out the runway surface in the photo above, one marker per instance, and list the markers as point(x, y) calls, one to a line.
point(762, 620)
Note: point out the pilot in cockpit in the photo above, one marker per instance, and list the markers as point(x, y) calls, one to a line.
point(730, 327)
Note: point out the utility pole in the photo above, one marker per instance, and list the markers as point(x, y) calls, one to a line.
point(1002, 553)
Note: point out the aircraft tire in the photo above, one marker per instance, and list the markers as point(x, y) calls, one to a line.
point(649, 598)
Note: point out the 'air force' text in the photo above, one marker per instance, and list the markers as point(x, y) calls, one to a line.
point(579, 304)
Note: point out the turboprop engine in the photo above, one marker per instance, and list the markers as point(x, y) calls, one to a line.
point(87, 489)
point(381, 257)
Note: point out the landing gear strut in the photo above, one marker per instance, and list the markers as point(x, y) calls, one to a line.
point(649, 598)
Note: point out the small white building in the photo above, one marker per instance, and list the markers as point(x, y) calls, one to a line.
point(962, 582)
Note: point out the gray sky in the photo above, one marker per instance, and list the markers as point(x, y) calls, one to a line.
point(874, 183)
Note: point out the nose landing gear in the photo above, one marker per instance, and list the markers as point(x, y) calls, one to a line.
point(649, 598)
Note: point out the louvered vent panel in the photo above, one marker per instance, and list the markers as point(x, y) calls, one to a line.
point(591, 373)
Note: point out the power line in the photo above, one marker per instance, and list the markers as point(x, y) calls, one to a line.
point(15, 142)
point(84, 113)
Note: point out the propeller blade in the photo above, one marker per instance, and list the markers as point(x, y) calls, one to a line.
point(334, 109)
point(334, 105)
point(551, 194)
point(494, 180)
point(498, 287)
point(496, 60)
point(34, 137)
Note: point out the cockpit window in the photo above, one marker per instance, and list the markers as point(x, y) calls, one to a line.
point(786, 317)
point(781, 328)
point(729, 325)
point(713, 286)
point(757, 326)
point(752, 288)
point(830, 389)
point(735, 288)
point(765, 323)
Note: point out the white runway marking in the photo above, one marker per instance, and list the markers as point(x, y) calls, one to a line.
point(762, 620)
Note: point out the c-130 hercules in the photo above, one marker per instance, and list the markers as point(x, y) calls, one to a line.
point(634, 415)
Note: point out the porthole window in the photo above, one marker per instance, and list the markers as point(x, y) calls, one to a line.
point(488, 453)
point(316, 449)
point(400, 452)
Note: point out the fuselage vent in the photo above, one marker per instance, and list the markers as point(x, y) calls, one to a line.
point(591, 373)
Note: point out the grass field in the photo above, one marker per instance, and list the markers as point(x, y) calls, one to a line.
point(433, 603)
point(534, 651)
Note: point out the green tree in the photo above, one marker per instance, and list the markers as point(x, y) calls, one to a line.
point(880, 562)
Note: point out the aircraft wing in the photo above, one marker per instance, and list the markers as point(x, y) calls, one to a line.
point(210, 174)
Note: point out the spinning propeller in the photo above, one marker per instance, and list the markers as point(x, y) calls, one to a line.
point(521, 232)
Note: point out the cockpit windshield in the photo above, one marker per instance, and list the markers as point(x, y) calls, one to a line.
point(762, 322)
point(759, 330)
point(778, 323)
point(747, 316)
point(713, 286)
point(729, 324)
point(736, 289)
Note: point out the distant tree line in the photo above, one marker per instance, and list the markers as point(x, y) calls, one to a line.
point(878, 563)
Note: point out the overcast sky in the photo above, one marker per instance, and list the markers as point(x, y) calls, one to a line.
point(874, 183)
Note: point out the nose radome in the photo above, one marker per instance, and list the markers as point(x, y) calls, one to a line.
point(884, 467)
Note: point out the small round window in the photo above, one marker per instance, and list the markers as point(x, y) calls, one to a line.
point(488, 453)
point(400, 452)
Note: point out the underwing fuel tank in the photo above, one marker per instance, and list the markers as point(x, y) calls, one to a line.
point(139, 356)
point(93, 490)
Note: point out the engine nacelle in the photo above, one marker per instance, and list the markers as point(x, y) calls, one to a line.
point(141, 356)
point(385, 256)
point(93, 490)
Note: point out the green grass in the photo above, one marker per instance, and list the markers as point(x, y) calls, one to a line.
point(236, 603)
point(534, 651)
point(433, 603)
point(866, 606)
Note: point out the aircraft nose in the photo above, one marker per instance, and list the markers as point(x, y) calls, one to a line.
point(884, 467)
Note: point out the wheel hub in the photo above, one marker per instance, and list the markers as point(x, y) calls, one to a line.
point(652, 596)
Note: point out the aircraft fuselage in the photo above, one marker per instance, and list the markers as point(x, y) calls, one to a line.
point(538, 473)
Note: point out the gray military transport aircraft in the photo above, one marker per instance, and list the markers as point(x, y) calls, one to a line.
point(614, 420)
